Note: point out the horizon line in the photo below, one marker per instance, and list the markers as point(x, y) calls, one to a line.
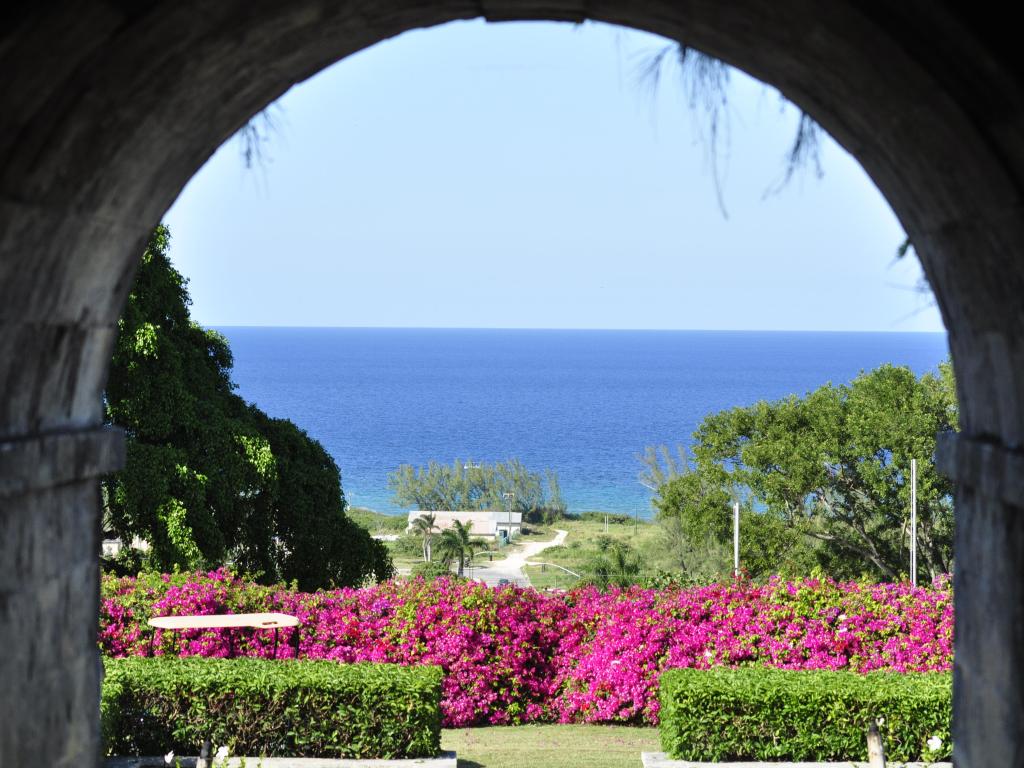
point(531, 328)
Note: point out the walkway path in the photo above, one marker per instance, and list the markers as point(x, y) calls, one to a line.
point(511, 568)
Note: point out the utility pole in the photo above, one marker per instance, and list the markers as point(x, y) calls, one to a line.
point(509, 496)
point(736, 539)
point(913, 522)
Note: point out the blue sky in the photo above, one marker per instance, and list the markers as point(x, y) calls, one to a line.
point(521, 175)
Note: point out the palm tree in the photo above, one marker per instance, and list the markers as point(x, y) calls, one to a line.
point(455, 545)
point(618, 567)
point(424, 526)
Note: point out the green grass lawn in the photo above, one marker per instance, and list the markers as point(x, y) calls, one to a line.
point(484, 556)
point(543, 578)
point(537, 532)
point(584, 544)
point(402, 562)
point(551, 746)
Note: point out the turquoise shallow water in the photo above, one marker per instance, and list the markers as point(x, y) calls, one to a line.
point(581, 402)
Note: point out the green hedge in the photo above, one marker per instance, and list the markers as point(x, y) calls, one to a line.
point(273, 708)
point(772, 714)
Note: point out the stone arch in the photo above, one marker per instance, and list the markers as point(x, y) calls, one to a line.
point(109, 108)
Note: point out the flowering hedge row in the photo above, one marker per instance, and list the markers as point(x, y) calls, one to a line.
point(515, 655)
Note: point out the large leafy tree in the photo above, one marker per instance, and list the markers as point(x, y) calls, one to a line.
point(210, 479)
point(827, 476)
point(696, 515)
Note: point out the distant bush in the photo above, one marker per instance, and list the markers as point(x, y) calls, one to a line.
point(433, 570)
point(407, 544)
point(377, 522)
point(552, 553)
point(272, 708)
point(770, 714)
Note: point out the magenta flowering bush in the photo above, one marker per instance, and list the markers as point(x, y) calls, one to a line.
point(615, 644)
point(514, 655)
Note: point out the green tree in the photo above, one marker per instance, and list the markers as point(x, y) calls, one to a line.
point(695, 512)
point(317, 544)
point(825, 478)
point(210, 479)
point(455, 545)
point(424, 527)
point(468, 486)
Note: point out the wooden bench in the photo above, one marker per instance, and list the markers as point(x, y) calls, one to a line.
point(229, 621)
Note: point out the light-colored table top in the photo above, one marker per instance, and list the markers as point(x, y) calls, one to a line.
point(221, 620)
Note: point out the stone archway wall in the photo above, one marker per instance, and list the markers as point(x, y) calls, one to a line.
point(108, 108)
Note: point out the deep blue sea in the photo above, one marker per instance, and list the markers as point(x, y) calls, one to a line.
point(583, 403)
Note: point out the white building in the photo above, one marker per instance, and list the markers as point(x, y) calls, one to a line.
point(487, 524)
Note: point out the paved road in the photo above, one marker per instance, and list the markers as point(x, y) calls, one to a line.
point(511, 568)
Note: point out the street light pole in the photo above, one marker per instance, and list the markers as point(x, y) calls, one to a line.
point(509, 496)
point(913, 522)
point(736, 539)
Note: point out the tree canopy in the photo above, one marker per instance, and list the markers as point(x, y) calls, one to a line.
point(209, 478)
point(464, 485)
point(823, 479)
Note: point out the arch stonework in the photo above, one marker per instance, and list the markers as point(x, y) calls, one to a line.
point(108, 108)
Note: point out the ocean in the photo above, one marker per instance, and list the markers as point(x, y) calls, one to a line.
point(583, 403)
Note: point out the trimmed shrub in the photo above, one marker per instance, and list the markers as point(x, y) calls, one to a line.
point(771, 714)
point(272, 708)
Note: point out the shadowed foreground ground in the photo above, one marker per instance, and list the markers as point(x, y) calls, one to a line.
point(552, 746)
